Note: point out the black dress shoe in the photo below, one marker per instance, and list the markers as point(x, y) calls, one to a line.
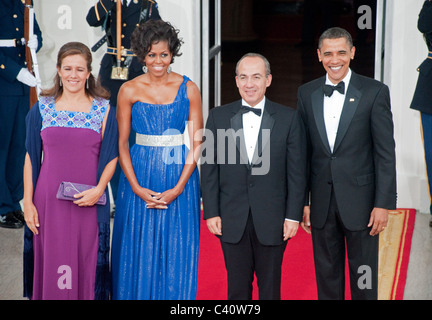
point(8, 220)
point(19, 215)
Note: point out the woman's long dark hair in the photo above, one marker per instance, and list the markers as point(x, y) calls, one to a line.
point(94, 88)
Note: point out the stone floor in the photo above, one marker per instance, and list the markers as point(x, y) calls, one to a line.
point(418, 286)
point(11, 244)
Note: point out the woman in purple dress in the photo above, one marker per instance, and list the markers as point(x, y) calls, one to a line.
point(72, 126)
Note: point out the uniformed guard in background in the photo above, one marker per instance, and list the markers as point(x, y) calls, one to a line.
point(15, 81)
point(422, 99)
point(112, 75)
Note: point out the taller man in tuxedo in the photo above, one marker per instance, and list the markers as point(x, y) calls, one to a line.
point(352, 175)
point(253, 181)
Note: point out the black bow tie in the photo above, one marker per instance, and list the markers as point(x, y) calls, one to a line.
point(246, 109)
point(328, 89)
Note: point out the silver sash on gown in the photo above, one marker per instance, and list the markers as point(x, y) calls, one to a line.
point(160, 141)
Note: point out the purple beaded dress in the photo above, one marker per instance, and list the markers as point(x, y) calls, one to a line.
point(65, 251)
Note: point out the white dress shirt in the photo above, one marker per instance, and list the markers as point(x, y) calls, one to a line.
point(333, 109)
point(251, 127)
point(127, 2)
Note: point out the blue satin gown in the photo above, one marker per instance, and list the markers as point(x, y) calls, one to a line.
point(154, 251)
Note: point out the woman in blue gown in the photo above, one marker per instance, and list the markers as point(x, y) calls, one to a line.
point(156, 227)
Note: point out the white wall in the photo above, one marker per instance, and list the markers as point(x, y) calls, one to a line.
point(404, 51)
point(185, 15)
point(62, 21)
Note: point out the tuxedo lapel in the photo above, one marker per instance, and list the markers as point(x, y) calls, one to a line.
point(236, 125)
point(352, 99)
point(317, 99)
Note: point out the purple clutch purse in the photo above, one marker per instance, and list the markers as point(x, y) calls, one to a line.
point(67, 190)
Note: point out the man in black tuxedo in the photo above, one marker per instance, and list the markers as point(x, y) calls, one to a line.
point(253, 181)
point(352, 175)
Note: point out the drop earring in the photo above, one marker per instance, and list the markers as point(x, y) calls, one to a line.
point(61, 84)
point(144, 69)
point(87, 84)
point(169, 69)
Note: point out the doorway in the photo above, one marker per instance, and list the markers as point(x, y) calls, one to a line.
point(286, 32)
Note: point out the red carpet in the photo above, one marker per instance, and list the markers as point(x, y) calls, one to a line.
point(298, 274)
point(395, 247)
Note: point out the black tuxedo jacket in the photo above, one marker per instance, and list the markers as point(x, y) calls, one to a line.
point(271, 187)
point(361, 168)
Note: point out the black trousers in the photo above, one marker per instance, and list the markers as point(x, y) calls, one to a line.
point(13, 111)
point(249, 257)
point(330, 244)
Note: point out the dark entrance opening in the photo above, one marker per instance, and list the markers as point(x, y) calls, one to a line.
point(286, 32)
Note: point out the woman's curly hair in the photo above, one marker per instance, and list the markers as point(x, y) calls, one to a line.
point(151, 32)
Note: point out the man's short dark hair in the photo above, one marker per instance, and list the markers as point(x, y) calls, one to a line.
point(335, 33)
